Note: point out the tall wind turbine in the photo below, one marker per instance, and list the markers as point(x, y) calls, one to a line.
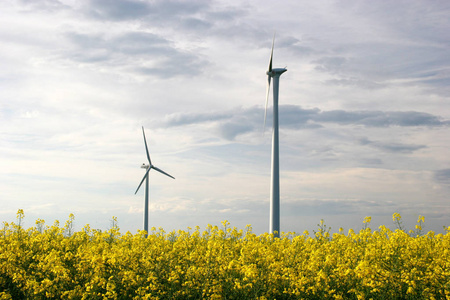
point(148, 167)
point(274, 223)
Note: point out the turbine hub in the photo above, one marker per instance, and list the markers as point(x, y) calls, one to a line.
point(276, 72)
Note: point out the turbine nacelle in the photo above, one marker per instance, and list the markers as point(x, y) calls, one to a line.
point(276, 72)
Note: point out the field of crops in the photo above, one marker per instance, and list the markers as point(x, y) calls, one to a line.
point(53, 262)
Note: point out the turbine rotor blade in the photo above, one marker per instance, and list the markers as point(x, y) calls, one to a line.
point(146, 148)
point(271, 54)
point(267, 101)
point(161, 171)
point(145, 177)
point(268, 82)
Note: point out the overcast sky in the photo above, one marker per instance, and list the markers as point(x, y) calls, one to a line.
point(364, 111)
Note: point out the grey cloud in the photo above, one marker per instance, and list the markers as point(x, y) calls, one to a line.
point(427, 23)
point(43, 5)
point(380, 118)
point(378, 63)
point(229, 124)
point(180, 119)
point(439, 78)
point(225, 14)
point(118, 9)
point(91, 48)
point(196, 24)
point(371, 161)
point(198, 16)
point(398, 147)
point(174, 8)
point(419, 52)
point(92, 57)
point(295, 45)
point(123, 10)
point(140, 43)
point(128, 43)
point(331, 207)
point(177, 65)
point(391, 147)
point(134, 50)
point(296, 117)
point(241, 120)
point(85, 40)
point(357, 82)
point(412, 118)
point(330, 64)
point(229, 130)
point(442, 176)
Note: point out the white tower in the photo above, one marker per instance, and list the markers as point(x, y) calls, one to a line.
point(274, 223)
point(148, 168)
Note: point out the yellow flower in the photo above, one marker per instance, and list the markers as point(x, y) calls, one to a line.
point(396, 217)
point(222, 263)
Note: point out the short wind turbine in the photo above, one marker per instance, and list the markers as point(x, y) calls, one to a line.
point(274, 223)
point(148, 167)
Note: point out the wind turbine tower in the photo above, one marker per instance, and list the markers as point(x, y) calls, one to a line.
point(274, 223)
point(148, 168)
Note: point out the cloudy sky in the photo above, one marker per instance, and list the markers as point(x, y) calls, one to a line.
point(364, 111)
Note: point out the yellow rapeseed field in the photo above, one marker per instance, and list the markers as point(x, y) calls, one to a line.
point(53, 262)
